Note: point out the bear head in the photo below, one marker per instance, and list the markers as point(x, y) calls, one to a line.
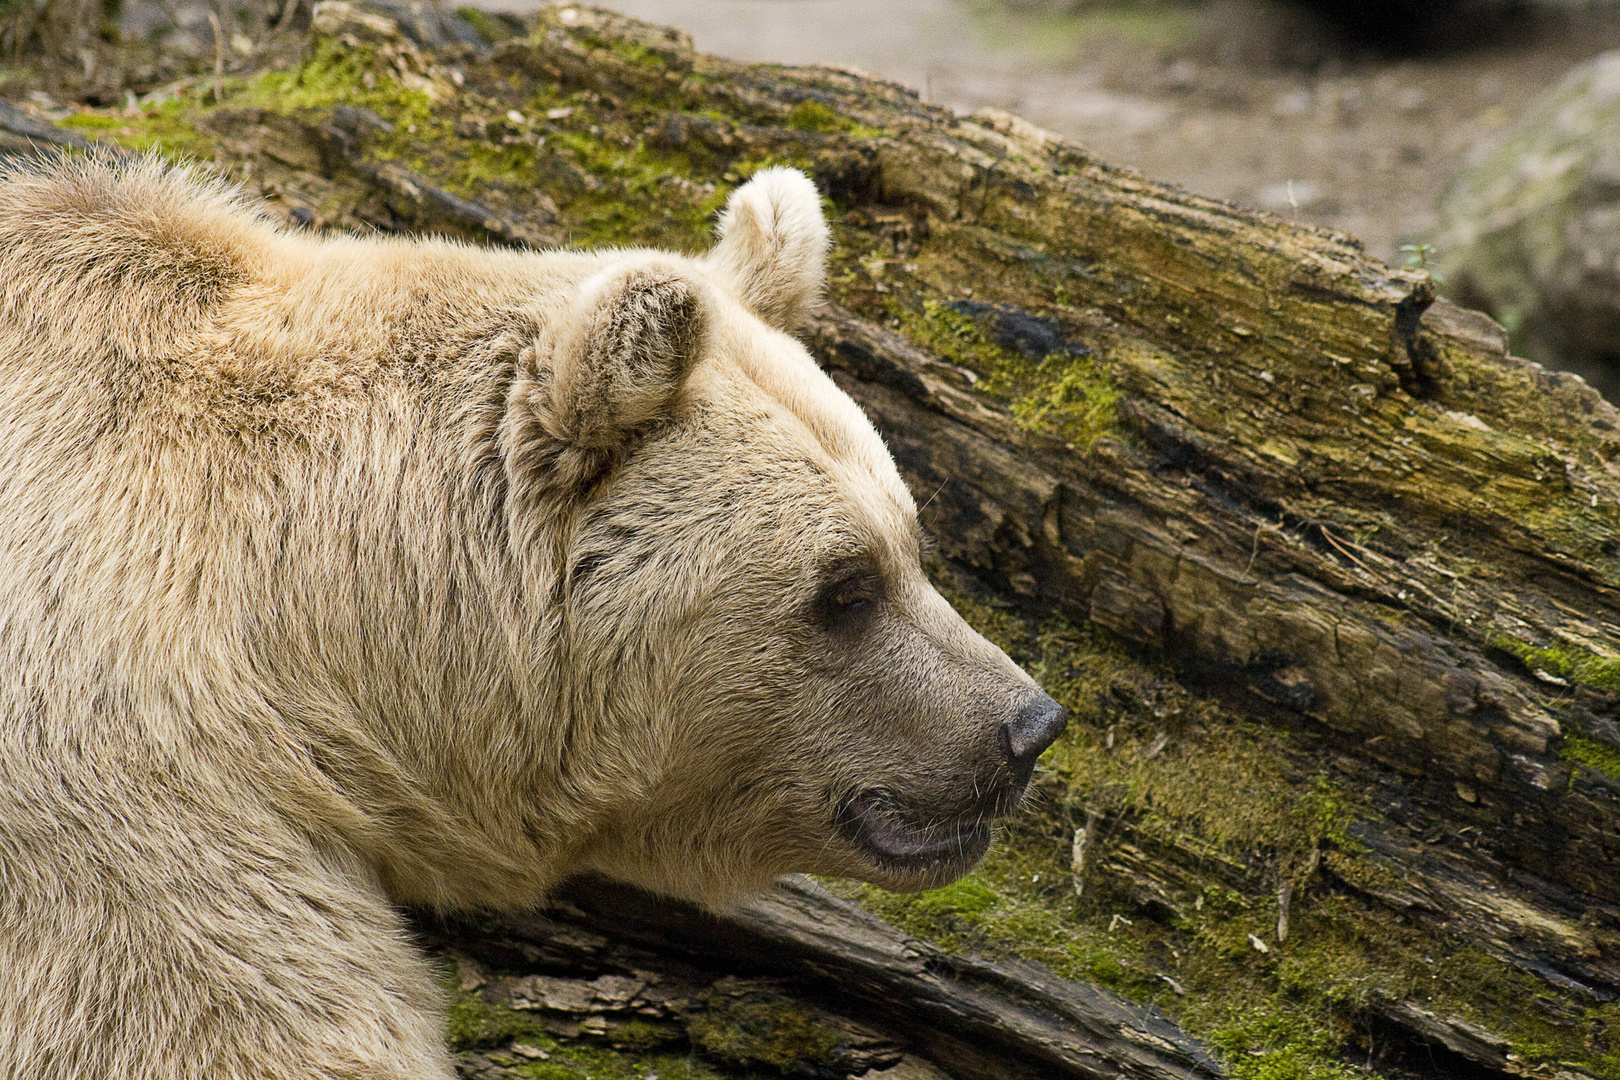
point(757, 668)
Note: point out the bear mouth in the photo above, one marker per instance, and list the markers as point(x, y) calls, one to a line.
point(899, 841)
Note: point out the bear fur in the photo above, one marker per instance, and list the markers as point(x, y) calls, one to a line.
point(340, 573)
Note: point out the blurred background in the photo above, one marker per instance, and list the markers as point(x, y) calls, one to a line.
point(1477, 138)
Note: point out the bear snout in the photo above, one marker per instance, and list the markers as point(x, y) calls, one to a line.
point(1037, 725)
point(922, 840)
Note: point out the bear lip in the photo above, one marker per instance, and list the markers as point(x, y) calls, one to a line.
point(885, 832)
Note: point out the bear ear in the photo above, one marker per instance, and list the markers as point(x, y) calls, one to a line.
point(773, 246)
point(629, 338)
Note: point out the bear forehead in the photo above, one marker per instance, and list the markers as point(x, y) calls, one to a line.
point(753, 369)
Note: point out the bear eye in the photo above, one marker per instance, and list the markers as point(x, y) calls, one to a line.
point(849, 597)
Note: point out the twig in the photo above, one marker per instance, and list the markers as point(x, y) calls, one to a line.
point(1340, 548)
point(934, 496)
point(1254, 552)
point(1083, 838)
point(219, 52)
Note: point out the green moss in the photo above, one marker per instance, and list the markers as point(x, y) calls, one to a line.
point(1595, 755)
point(1267, 1046)
point(333, 75)
point(967, 898)
point(1074, 399)
point(471, 1023)
point(579, 1062)
point(337, 74)
point(1070, 396)
point(97, 122)
point(642, 196)
point(474, 1025)
point(775, 1033)
point(1565, 662)
point(815, 117)
point(167, 129)
point(956, 337)
point(629, 51)
point(612, 187)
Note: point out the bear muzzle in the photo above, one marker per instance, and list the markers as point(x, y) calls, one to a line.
point(922, 847)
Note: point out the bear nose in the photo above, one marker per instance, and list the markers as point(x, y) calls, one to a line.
point(1038, 724)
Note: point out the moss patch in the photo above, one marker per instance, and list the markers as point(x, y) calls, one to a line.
point(471, 1023)
point(813, 116)
point(1267, 1046)
point(1066, 393)
point(762, 1032)
point(168, 129)
point(93, 122)
point(1565, 662)
point(475, 1027)
point(337, 73)
point(1594, 755)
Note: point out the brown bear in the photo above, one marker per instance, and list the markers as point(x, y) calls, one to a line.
point(346, 572)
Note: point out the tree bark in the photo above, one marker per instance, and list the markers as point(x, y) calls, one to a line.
point(1231, 448)
point(977, 1019)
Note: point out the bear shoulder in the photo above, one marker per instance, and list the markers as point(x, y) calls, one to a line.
point(145, 281)
point(128, 250)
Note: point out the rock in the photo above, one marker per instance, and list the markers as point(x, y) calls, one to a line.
point(1530, 229)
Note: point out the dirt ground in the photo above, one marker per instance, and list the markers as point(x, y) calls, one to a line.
point(1244, 100)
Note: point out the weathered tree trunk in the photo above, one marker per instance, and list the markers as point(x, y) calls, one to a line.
point(1331, 581)
point(980, 1020)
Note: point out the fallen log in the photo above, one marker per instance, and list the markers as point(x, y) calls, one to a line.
point(1329, 580)
point(973, 1018)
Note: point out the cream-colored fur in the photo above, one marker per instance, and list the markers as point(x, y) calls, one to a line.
point(339, 573)
point(773, 246)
